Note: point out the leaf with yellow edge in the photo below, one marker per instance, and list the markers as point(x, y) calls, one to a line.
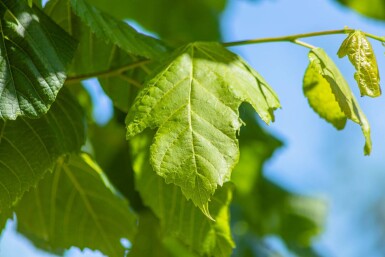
point(330, 78)
point(360, 52)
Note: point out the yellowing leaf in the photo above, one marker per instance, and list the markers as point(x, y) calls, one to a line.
point(193, 100)
point(321, 98)
point(360, 52)
point(321, 64)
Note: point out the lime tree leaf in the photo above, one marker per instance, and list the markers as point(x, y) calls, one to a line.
point(117, 32)
point(76, 206)
point(193, 99)
point(179, 218)
point(360, 52)
point(30, 147)
point(34, 52)
point(321, 63)
point(321, 98)
point(173, 20)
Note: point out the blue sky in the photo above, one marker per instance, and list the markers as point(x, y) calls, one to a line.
point(316, 159)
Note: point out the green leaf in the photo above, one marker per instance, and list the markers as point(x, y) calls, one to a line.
point(193, 99)
point(117, 32)
point(34, 52)
point(30, 147)
point(321, 63)
point(179, 218)
point(76, 206)
point(321, 98)
point(371, 8)
point(174, 20)
point(360, 52)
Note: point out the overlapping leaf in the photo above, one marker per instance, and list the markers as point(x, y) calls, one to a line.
point(360, 52)
point(117, 32)
point(194, 100)
point(76, 206)
point(173, 20)
point(179, 218)
point(323, 74)
point(34, 52)
point(30, 147)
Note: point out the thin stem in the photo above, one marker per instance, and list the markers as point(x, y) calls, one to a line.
point(106, 73)
point(293, 38)
point(301, 43)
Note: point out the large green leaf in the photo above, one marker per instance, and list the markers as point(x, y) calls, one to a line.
point(117, 32)
point(76, 206)
point(324, 74)
point(34, 52)
point(360, 52)
point(30, 147)
point(179, 218)
point(173, 20)
point(193, 99)
point(370, 8)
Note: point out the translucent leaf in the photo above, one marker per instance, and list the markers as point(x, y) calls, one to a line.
point(34, 52)
point(370, 8)
point(179, 218)
point(360, 52)
point(30, 147)
point(321, 98)
point(117, 32)
point(321, 63)
point(193, 99)
point(76, 206)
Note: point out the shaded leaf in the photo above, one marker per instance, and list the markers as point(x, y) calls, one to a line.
point(174, 20)
point(193, 99)
point(119, 73)
point(117, 32)
point(76, 206)
point(321, 63)
point(360, 52)
point(179, 218)
point(34, 52)
point(321, 98)
point(30, 147)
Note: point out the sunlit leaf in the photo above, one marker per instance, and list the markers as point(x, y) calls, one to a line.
point(179, 218)
point(321, 63)
point(193, 99)
point(30, 147)
point(117, 32)
point(370, 8)
point(76, 206)
point(360, 52)
point(34, 52)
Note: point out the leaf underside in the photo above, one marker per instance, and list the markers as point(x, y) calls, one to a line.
point(193, 100)
point(74, 206)
point(323, 76)
point(360, 52)
point(30, 147)
point(34, 52)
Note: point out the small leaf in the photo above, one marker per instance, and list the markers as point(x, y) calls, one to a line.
point(30, 147)
point(360, 52)
point(321, 98)
point(179, 218)
point(34, 52)
point(76, 206)
point(117, 32)
point(193, 99)
point(321, 63)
